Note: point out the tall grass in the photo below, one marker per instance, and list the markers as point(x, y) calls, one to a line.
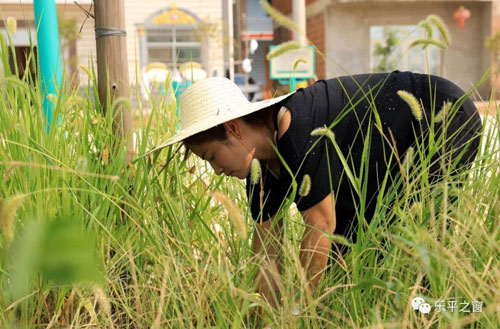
point(96, 242)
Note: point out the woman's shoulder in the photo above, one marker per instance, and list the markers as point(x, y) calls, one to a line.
point(284, 121)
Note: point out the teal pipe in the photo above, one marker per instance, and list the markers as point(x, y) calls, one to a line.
point(179, 89)
point(293, 83)
point(49, 55)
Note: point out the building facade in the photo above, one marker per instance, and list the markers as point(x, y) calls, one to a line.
point(77, 51)
point(258, 26)
point(347, 33)
point(170, 32)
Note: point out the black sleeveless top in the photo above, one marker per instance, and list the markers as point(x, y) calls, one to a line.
point(346, 105)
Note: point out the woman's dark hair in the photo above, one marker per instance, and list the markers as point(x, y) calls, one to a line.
point(218, 133)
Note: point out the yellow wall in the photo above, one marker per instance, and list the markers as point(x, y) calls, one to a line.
point(136, 11)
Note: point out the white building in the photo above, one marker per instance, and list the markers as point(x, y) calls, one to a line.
point(171, 32)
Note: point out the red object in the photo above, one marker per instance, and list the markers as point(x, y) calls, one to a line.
point(461, 15)
point(258, 36)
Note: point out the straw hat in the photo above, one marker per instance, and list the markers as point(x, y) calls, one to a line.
point(210, 102)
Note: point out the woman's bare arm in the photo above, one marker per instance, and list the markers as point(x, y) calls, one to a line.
point(267, 243)
point(315, 246)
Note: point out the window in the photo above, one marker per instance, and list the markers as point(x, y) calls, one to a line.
point(389, 50)
point(22, 54)
point(173, 44)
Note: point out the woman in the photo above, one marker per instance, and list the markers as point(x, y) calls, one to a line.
point(222, 127)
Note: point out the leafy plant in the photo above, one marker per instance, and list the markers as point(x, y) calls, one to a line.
point(386, 51)
point(159, 252)
point(493, 43)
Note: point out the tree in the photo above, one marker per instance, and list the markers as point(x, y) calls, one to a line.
point(385, 51)
point(493, 43)
point(68, 35)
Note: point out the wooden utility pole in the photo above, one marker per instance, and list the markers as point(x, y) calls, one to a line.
point(112, 65)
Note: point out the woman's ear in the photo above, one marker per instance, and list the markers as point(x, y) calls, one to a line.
point(233, 128)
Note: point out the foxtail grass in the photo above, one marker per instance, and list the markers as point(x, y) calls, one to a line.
point(305, 186)
point(441, 26)
point(193, 265)
point(413, 103)
point(427, 42)
point(283, 48)
point(279, 18)
point(8, 211)
point(255, 171)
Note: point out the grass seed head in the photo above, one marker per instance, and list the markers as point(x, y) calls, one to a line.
point(3, 45)
point(121, 102)
point(234, 213)
point(283, 48)
point(8, 210)
point(299, 61)
point(278, 17)
point(11, 25)
point(255, 171)
point(305, 186)
point(409, 157)
point(412, 102)
point(323, 131)
point(102, 299)
point(427, 42)
point(441, 26)
point(428, 28)
point(443, 112)
point(86, 70)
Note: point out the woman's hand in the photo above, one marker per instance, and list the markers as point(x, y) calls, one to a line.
point(267, 242)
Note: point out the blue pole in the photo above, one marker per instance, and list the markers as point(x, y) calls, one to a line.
point(293, 82)
point(49, 55)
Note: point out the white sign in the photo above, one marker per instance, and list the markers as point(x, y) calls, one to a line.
point(304, 60)
point(21, 38)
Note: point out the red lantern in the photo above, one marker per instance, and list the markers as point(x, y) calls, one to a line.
point(461, 15)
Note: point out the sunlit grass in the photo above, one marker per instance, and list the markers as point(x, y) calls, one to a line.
point(158, 250)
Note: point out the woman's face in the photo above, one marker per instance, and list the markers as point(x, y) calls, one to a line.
point(229, 157)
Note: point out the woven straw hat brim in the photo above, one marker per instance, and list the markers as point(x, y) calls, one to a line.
point(243, 109)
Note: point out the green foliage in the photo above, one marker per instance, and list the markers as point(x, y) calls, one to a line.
point(68, 28)
point(163, 253)
point(493, 43)
point(385, 51)
point(59, 251)
point(4, 56)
